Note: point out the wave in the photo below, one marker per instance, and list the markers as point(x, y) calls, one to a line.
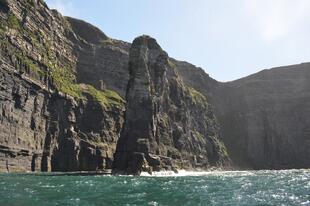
point(184, 173)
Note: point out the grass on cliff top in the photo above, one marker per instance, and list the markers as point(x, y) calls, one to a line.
point(64, 78)
point(197, 96)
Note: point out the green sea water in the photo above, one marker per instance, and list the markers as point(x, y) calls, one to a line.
point(215, 188)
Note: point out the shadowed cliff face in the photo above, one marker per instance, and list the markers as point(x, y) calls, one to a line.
point(264, 118)
point(168, 125)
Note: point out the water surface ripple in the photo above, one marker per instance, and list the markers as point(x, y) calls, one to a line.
point(216, 188)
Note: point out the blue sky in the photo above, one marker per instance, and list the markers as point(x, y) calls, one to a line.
point(229, 39)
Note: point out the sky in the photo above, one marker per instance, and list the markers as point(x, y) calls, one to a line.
point(229, 39)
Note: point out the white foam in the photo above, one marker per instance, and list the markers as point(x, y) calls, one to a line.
point(183, 173)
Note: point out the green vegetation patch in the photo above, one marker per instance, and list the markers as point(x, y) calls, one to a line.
point(197, 135)
point(13, 22)
point(173, 152)
point(105, 98)
point(63, 79)
point(2, 30)
point(32, 66)
point(50, 53)
point(197, 96)
point(27, 62)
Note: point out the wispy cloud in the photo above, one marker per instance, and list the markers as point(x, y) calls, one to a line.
point(274, 19)
point(65, 7)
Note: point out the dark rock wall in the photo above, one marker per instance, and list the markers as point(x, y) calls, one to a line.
point(168, 125)
point(264, 118)
point(101, 61)
point(84, 135)
point(43, 129)
point(55, 77)
point(23, 122)
point(70, 126)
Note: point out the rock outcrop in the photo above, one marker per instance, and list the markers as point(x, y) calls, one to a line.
point(62, 87)
point(168, 124)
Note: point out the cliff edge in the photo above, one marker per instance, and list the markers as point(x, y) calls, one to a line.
point(71, 97)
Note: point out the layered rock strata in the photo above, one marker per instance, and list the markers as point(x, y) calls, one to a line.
point(63, 86)
point(63, 82)
point(264, 118)
point(168, 125)
point(52, 119)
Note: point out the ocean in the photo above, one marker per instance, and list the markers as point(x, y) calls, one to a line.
point(248, 188)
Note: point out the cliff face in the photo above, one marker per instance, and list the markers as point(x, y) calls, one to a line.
point(101, 61)
point(264, 118)
point(44, 131)
point(71, 98)
point(168, 124)
point(52, 116)
point(63, 82)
